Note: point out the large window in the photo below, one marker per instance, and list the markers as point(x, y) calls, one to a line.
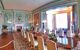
point(49, 21)
point(61, 20)
point(59, 17)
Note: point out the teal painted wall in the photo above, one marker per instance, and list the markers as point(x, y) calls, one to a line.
point(79, 12)
point(11, 18)
point(12, 15)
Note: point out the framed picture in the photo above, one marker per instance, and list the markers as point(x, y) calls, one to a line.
point(19, 16)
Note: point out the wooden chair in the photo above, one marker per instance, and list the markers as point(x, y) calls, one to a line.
point(40, 43)
point(32, 41)
point(28, 36)
point(51, 45)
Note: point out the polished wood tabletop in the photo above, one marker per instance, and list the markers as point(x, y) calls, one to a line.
point(5, 39)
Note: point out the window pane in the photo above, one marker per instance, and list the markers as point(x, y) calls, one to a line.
point(61, 20)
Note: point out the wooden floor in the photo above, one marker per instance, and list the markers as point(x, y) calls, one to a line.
point(4, 39)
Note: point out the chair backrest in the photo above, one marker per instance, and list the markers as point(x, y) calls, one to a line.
point(27, 36)
point(51, 45)
point(31, 39)
point(40, 43)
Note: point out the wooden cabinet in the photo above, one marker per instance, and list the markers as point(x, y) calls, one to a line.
point(36, 18)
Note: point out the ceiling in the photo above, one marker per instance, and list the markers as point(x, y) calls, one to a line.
point(28, 5)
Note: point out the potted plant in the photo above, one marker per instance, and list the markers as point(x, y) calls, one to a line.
point(4, 29)
point(4, 26)
point(76, 37)
point(52, 37)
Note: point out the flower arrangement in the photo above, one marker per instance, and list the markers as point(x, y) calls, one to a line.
point(4, 26)
point(52, 37)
